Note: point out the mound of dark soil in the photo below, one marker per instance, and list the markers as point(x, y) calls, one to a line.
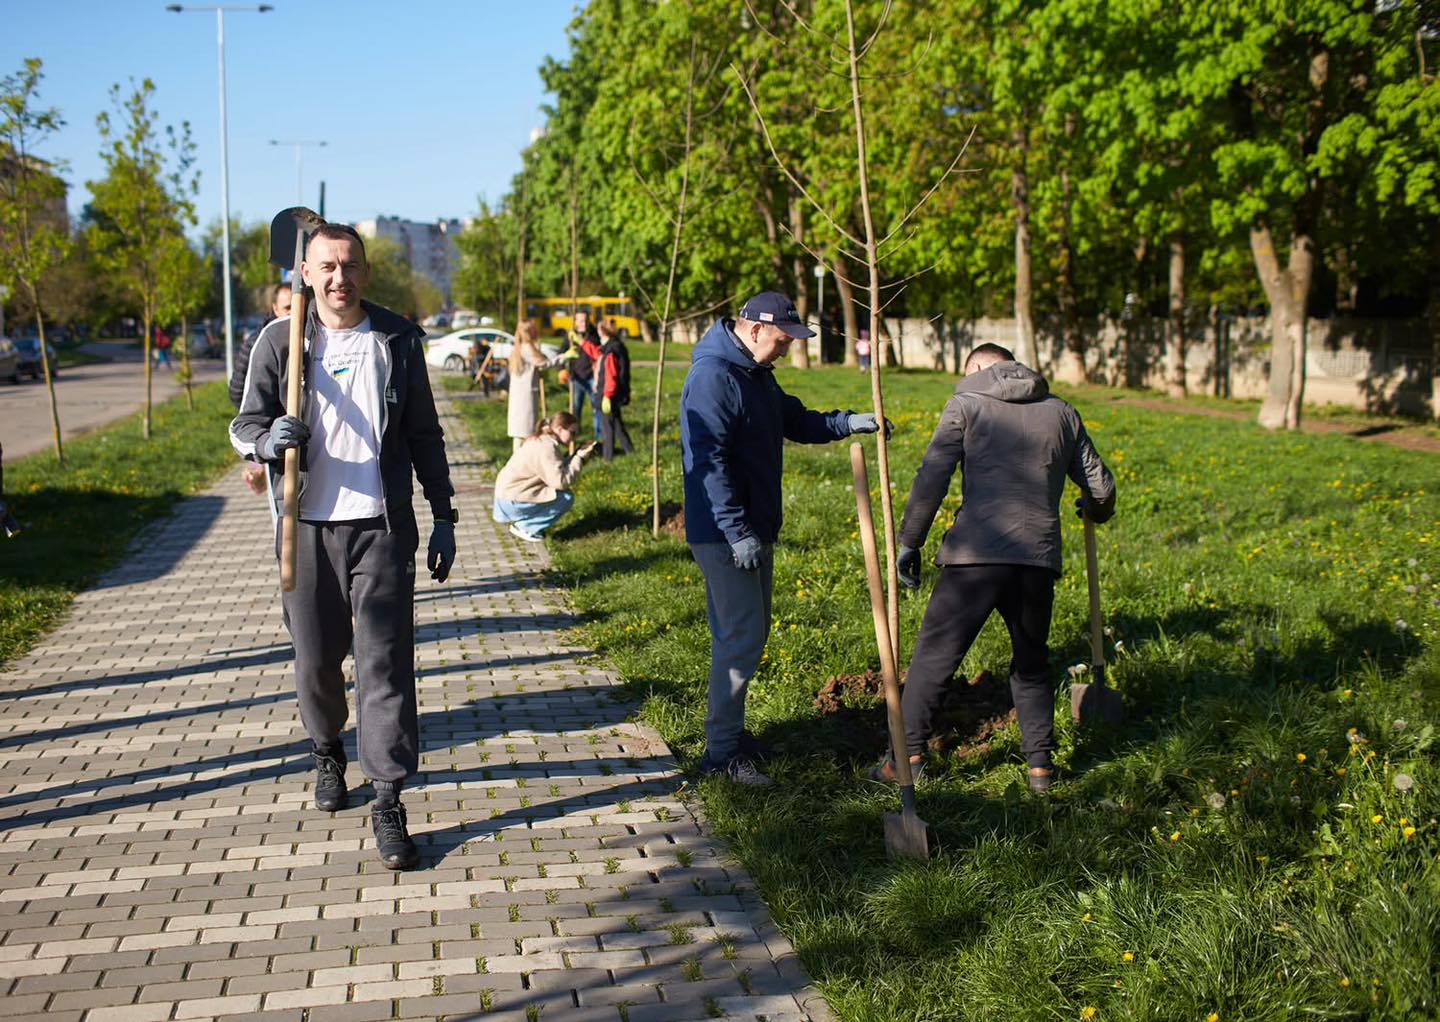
point(971, 715)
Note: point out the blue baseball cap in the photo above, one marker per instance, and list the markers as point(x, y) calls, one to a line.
point(774, 308)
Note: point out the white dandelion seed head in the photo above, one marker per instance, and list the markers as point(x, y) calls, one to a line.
point(1400, 724)
point(1215, 800)
point(1401, 625)
point(1403, 782)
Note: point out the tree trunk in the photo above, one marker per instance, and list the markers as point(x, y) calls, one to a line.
point(670, 297)
point(185, 363)
point(872, 260)
point(147, 320)
point(848, 316)
point(1175, 327)
point(800, 352)
point(1283, 289)
point(1025, 352)
point(49, 378)
point(1069, 304)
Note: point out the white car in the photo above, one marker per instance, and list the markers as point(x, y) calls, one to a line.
point(452, 351)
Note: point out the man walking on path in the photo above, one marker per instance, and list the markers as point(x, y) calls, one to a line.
point(612, 381)
point(734, 421)
point(368, 419)
point(1016, 443)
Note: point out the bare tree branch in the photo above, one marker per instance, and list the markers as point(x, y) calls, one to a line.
point(770, 143)
point(926, 197)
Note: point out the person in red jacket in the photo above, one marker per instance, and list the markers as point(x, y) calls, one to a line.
point(614, 390)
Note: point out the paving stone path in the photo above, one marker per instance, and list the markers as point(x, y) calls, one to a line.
point(160, 857)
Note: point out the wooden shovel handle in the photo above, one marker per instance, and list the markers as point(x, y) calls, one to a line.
point(290, 517)
point(1092, 575)
point(889, 671)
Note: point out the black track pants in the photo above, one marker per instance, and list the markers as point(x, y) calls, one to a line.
point(963, 598)
point(355, 587)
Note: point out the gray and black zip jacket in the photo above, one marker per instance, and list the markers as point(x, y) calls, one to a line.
point(1014, 443)
point(410, 437)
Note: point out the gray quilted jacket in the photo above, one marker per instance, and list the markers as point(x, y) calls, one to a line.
point(1014, 444)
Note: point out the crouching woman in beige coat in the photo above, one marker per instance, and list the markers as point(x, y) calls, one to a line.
point(533, 490)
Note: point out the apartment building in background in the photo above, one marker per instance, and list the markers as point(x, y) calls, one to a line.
point(429, 247)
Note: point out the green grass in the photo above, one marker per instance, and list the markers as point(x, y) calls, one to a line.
point(78, 519)
point(1271, 597)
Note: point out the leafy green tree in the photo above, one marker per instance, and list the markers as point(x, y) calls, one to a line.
point(489, 262)
point(249, 262)
point(144, 201)
point(32, 238)
point(185, 286)
point(391, 283)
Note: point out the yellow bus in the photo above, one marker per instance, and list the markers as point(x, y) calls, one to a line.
point(552, 315)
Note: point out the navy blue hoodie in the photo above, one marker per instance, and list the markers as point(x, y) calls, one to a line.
point(734, 421)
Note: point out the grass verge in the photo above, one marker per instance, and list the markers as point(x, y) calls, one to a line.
point(1258, 842)
point(79, 518)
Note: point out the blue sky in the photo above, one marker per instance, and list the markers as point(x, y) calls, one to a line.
point(424, 104)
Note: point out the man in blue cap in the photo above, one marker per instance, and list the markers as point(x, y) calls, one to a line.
point(734, 421)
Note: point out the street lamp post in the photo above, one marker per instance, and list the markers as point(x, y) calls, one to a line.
point(299, 145)
point(224, 167)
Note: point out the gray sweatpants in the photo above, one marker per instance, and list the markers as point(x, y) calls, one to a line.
point(355, 588)
point(737, 605)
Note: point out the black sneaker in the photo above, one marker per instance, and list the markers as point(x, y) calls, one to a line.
point(331, 794)
point(397, 851)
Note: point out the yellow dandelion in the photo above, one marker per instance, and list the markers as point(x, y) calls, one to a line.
point(1128, 956)
point(1377, 819)
point(1345, 981)
point(1340, 771)
point(1404, 822)
point(1299, 757)
point(1174, 837)
point(1087, 917)
point(1349, 693)
point(1409, 832)
point(1088, 1013)
point(1214, 1016)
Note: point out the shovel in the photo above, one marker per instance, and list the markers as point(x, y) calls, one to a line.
point(288, 232)
point(906, 835)
point(1092, 702)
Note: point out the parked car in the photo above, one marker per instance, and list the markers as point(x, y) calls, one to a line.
point(29, 351)
point(9, 360)
point(451, 351)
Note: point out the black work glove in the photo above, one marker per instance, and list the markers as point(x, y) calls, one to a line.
point(746, 553)
point(907, 561)
point(864, 422)
point(285, 432)
point(441, 554)
point(1082, 508)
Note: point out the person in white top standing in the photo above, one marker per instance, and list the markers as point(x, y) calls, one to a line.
point(368, 421)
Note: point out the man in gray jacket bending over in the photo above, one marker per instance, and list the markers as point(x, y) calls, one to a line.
point(367, 422)
point(1015, 444)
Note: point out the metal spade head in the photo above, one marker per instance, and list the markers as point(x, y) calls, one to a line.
point(1094, 702)
point(288, 232)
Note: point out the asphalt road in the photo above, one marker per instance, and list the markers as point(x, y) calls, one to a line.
point(90, 396)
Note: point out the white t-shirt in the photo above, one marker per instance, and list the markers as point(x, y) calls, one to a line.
point(343, 453)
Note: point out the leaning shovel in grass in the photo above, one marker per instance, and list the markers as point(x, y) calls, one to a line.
point(1092, 702)
point(906, 835)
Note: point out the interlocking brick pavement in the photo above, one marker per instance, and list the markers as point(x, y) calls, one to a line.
point(160, 857)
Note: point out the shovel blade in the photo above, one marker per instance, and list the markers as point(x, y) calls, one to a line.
point(287, 228)
point(906, 836)
point(1095, 704)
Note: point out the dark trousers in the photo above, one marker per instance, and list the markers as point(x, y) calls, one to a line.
point(612, 428)
point(355, 587)
point(962, 601)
